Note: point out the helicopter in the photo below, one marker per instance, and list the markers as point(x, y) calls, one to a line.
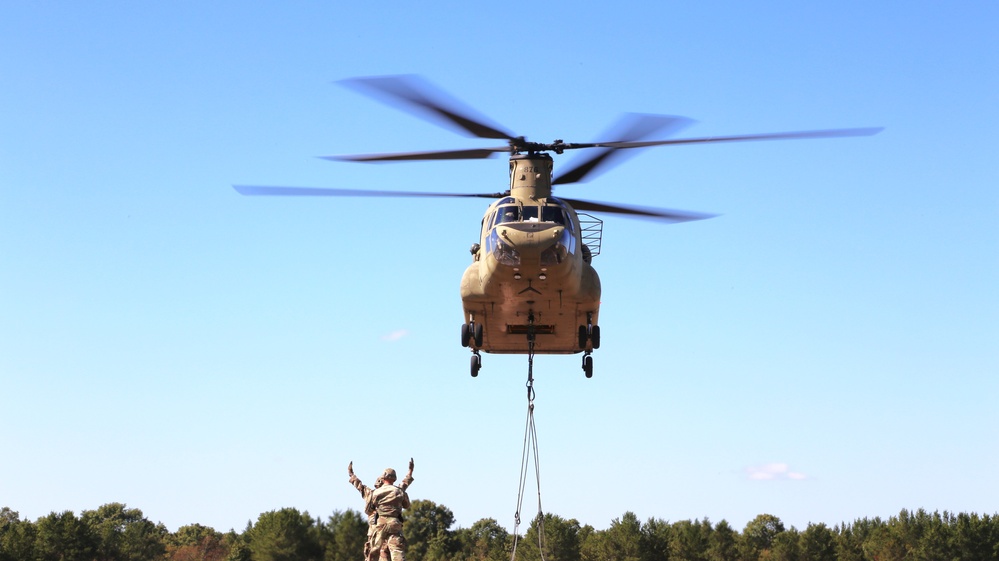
point(531, 287)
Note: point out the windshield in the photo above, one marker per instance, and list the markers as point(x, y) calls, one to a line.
point(552, 214)
point(510, 213)
point(531, 213)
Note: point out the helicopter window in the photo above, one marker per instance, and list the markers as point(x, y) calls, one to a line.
point(552, 214)
point(509, 213)
point(530, 214)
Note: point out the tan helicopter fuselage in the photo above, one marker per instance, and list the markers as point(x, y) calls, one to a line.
point(531, 270)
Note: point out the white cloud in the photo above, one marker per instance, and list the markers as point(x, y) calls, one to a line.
point(773, 471)
point(395, 335)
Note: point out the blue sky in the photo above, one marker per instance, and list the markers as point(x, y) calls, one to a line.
point(824, 350)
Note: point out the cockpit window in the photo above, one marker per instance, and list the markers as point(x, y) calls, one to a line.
point(552, 214)
point(531, 213)
point(510, 213)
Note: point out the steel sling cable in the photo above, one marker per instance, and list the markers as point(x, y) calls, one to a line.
point(530, 446)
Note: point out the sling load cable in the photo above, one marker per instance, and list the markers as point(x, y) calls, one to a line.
point(530, 445)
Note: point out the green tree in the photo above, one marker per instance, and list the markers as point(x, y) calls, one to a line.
point(654, 543)
point(17, 537)
point(63, 537)
point(882, 542)
point(195, 542)
point(124, 534)
point(239, 546)
point(284, 535)
point(486, 540)
point(850, 539)
point(818, 543)
point(428, 531)
point(758, 536)
point(346, 533)
point(786, 546)
point(722, 543)
point(689, 540)
point(560, 539)
point(591, 543)
point(623, 539)
point(934, 535)
point(976, 537)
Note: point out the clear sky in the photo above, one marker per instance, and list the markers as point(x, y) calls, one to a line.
point(825, 349)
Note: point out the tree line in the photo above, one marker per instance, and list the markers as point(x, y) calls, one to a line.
point(115, 532)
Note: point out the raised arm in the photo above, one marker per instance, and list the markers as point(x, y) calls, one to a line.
point(408, 480)
point(364, 491)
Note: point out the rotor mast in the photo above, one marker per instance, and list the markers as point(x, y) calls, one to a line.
point(531, 175)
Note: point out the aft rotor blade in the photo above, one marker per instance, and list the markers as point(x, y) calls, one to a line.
point(418, 94)
point(666, 214)
point(832, 133)
point(279, 191)
point(469, 154)
point(635, 127)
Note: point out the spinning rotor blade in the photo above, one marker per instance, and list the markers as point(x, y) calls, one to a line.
point(666, 214)
point(831, 133)
point(420, 95)
point(633, 127)
point(254, 190)
point(470, 154)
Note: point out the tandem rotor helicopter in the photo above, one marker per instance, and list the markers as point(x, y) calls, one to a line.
point(531, 287)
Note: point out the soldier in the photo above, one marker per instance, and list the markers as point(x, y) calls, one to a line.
point(372, 514)
point(388, 502)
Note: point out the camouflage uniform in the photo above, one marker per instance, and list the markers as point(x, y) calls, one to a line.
point(387, 502)
point(372, 515)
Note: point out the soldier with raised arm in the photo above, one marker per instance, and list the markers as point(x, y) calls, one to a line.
point(372, 514)
point(387, 502)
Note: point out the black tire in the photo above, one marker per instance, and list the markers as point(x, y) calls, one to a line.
point(477, 334)
point(582, 337)
point(595, 336)
point(466, 335)
point(476, 363)
point(588, 366)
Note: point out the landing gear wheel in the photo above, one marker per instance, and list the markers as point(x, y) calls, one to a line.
point(588, 366)
point(583, 336)
point(476, 364)
point(595, 336)
point(466, 335)
point(477, 334)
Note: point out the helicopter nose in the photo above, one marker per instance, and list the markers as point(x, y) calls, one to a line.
point(531, 241)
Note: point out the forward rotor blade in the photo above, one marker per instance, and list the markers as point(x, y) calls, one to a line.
point(632, 127)
point(666, 214)
point(470, 154)
point(832, 133)
point(420, 95)
point(265, 190)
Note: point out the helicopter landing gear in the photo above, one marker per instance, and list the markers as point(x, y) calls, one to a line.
point(588, 365)
point(476, 364)
point(471, 332)
point(589, 333)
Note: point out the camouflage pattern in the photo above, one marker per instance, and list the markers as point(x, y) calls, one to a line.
point(388, 540)
point(388, 502)
point(365, 492)
point(383, 551)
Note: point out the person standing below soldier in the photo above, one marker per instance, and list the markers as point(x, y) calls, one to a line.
point(388, 502)
point(372, 514)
